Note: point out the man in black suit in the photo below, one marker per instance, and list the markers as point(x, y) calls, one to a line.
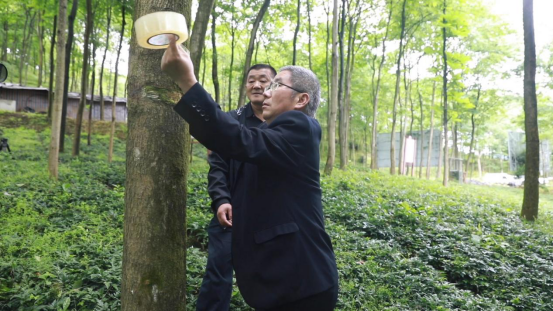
point(281, 254)
point(216, 289)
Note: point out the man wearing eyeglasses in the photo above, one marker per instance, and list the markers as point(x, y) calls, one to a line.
point(223, 178)
point(281, 254)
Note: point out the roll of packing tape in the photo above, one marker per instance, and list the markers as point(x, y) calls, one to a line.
point(152, 30)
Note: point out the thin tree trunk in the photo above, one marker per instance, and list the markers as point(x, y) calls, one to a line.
point(68, 48)
point(197, 39)
point(473, 128)
point(231, 68)
point(22, 52)
point(101, 80)
point(309, 33)
point(204, 66)
point(94, 46)
point(422, 133)
point(296, 31)
point(374, 147)
point(333, 107)
point(531, 199)
point(52, 68)
point(249, 51)
point(114, 98)
point(429, 156)
point(41, 48)
point(154, 239)
point(444, 55)
point(342, 109)
point(214, 73)
point(396, 94)
point(84, 75)
point(5, 43)
point(53, 154)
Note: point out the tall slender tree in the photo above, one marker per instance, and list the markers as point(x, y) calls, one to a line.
point(114, 97)
point(333, 107)
point(444, 94)
point(52, 69)
point(101, 80)
point(531, 199)
point(68, 49)
point(84, 77)
point(53, 154)
point(197, 38)
point(214, 70)
point(249, 51)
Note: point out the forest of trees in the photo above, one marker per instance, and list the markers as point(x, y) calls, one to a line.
point(386, 66)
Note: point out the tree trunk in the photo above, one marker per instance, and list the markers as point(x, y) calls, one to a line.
point(94, 46)
point(249, 52)
point(444, 55)
point(422, 133)
point(52, 68)
point(5, 43)
point(154, 250)
point(429, 156)
point(84, 75)
point(296, 31)
point(333, 107)
point(41, 48)
point(53, 154)
point(342, 109)
point(197, 39)
point(473, 128)
point(214, 73)
point(114, 98)
point(231, 68)
point(309, 33)
point(374, 147)
point(101, 80)
point(68, 49)
point(532, 170)
point(396, 94)
point(22, 52)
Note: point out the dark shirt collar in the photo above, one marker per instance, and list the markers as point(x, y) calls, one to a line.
point(248, 110)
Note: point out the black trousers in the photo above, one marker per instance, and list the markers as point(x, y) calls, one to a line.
point(324, 301)
point(216, 288)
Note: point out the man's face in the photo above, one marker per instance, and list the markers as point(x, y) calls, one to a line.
point(258, 80)
point(282, 99)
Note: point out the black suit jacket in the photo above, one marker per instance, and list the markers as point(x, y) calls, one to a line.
point(281, 252)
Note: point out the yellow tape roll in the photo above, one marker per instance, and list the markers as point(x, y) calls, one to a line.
point(152, 29)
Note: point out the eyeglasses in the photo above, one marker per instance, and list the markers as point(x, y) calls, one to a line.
point(274, 85)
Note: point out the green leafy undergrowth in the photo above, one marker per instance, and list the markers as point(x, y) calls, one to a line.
point(400, 243)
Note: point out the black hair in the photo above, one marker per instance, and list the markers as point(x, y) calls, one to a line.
point(262, 66)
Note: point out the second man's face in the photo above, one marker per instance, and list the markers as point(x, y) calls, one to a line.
point(256, 83)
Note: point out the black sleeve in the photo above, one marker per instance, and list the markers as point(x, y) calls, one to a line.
point(218, 180)
point(282, 144)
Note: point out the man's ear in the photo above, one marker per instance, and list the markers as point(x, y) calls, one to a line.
point(303, 100)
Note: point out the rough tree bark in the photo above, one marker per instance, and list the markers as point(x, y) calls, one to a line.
point(333, 107)
point(154, 251)
point(84, 82)
point(53, 154)
point(532, 170)
point(114, 98)
point(249, 51)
